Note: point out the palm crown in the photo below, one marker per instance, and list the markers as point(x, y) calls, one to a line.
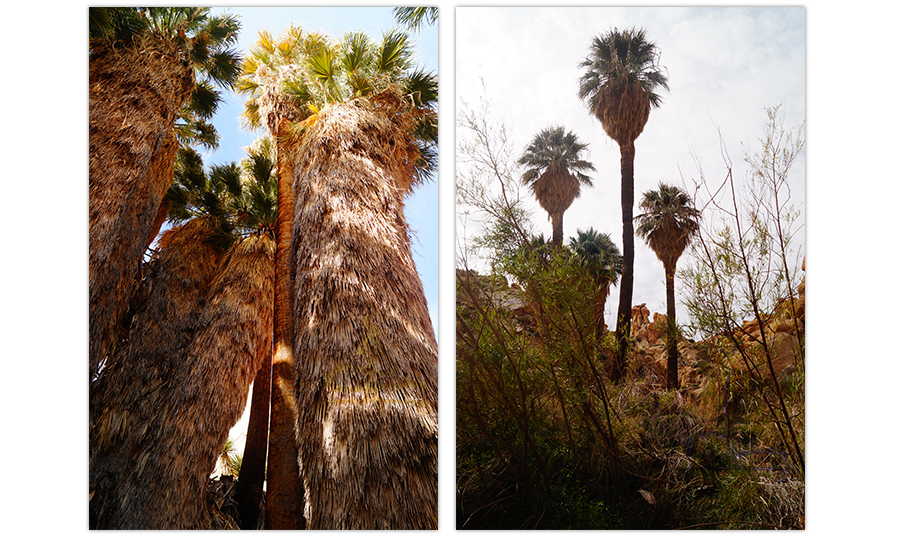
point(554, 171)
point(242, 197)
point(598, 254)
point(203, 40)
point(668, 222)
point(618, 64)
point(302, 72)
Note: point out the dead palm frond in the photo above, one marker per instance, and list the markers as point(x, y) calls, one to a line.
point(554, 171)
point(366, 354)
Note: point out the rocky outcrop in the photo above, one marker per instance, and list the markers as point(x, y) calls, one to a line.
point(783, 331)
point(783, 328)
point(650, 356)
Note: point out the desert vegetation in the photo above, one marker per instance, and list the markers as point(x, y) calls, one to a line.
point(563, 424)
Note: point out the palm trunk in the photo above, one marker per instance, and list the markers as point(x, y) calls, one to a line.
point(133, 403)
point(671, 341)
point(208, 399)
point(364, 343)
point(135, 95)
point(557, 220)
point(249, 487)
point(284, 500)
point(623, 317)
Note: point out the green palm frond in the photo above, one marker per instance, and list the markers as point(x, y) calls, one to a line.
point(223, 67)
point(324, 69)
point(192, 132)
point(395, 53)
point(413, 17)
point(626, 57)
point(299, 91)
point(120, 24)
point(259, 199)
point(356, 48)
point(554, 147)
point(204, 100)
point(422, 87)
point(227, 177)
point(598, 254)
point(189, 169)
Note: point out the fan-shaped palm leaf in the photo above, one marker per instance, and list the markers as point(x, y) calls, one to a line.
point(668, 223)
point(619, 85)
point(554, 172)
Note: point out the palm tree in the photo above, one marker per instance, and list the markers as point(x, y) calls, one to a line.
point(602, 260)
point(244, 197)
point(619, 86)
point(259, 211)
point(360, 123)
point(668, 223)
point(145, 64)
point(132, 399)
point(263, 73)
point(553, 172)
point(162, 408)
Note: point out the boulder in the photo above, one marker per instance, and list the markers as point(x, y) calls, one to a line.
point(656, 331)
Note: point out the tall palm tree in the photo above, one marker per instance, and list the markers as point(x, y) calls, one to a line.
point(163, 406)
point(265, 69)
point(257, 210)
point(145, 64)
point(554, 173)
point(619, 86)
point(327, 99)
point(603, 262)
point(245, 196)
point(668, 223)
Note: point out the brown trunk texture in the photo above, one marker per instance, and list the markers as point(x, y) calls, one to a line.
point(134, 97)
point(133, 404)
point(623, 317)
point(284, 493)
point(671, 341)
point(557, 220)
point(364, 345)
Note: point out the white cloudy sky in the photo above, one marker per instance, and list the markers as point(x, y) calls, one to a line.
point(724, 65)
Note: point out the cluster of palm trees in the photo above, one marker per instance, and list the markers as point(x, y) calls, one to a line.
point(619, 85)
point(290, 270)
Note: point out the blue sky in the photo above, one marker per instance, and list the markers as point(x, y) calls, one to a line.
point(422, 205)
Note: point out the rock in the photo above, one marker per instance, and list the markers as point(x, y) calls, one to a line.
point(785, 352)
point(656, 331)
